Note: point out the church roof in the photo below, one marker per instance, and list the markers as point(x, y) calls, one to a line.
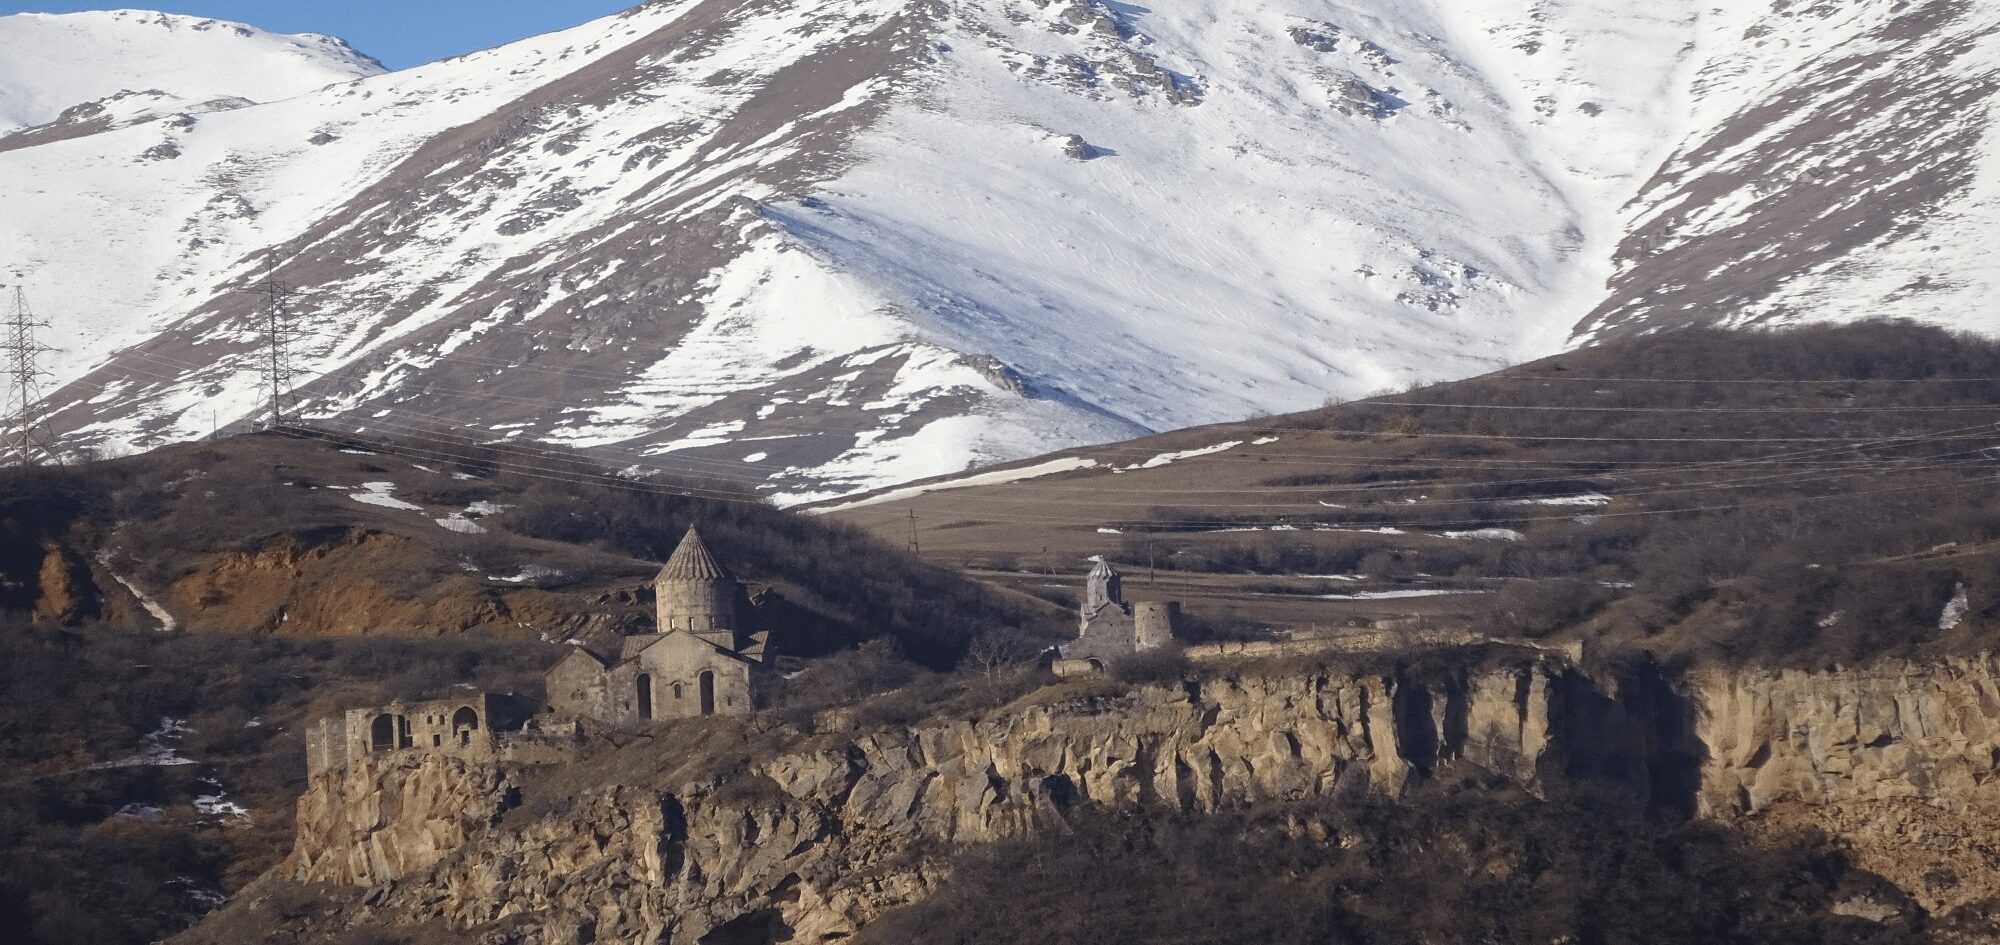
point(692, 562)
point(1103, 568)
point(679, 638)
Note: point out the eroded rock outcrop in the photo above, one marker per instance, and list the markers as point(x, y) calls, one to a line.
point(377, 821)
point(1901, 760)
point(817, 836)
point(819, 839)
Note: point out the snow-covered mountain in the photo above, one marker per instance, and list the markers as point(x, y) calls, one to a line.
point(66, 75)
point(811, 246)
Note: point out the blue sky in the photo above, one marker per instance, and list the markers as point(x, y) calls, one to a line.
point(401, 33)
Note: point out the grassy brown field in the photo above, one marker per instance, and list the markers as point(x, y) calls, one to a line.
point(1674, 490)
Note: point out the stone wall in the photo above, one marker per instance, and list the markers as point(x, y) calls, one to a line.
point(701, 607)
point(460, 728)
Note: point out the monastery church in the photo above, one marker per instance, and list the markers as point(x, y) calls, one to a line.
point(698, 661)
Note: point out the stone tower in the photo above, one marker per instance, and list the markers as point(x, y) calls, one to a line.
point(696, 594)
point(1104, 588)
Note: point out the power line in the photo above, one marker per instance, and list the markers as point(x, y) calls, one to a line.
point(27, 435)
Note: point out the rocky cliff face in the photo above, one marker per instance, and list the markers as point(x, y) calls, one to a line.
point(815, 839)
point(820, 838)
point(376, 822)
point(1901, 760)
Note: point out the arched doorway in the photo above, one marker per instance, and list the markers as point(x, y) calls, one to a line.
point(463, 723)
point(645, 695)
point(382, 733)
point(707, 685)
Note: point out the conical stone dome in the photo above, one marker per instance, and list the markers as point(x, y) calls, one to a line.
point(692, 562)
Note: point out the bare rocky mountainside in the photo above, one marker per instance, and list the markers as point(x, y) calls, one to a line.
point(816, 246)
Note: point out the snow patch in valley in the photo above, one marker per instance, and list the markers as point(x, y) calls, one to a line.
point(457, 522)
point(146, 601)
point(1586, 499)
point(216, 803)
point(382, 494)
point(1168, 459)
point(1397, 595)
point(159, 749)
point(1487, 534)
point(530, 574)
point(995, 478)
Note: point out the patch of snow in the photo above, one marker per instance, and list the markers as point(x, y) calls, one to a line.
point(159, 749)
point(216, 803)
point(1397, 595)
point(1955, 609)
point(1167, 459)
point(533, 572)
point(382, 494)
point(457, 522)
point(151, 606)
point(1488, 534)
point(1586, 499)
point(995, 478)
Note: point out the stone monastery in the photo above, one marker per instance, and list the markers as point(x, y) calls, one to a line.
point(698, 661)
point(1111, 629)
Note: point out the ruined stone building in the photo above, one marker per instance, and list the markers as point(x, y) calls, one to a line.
point(465, 727)
point(700, 660)
point(1110, 628)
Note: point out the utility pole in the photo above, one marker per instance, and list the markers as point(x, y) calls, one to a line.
point(915, 549)
point(276, 325)
point(26, 435)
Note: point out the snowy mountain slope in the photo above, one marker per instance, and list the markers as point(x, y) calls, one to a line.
point(83, 72)
point(1864, 185)
point(810, 246)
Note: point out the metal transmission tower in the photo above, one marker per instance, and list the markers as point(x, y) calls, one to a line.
point(26, 436)
point(274, 321)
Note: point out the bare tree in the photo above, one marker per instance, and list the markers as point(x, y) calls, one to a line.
point(992, 651)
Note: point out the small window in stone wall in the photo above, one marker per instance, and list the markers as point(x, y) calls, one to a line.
point(437, 740)
point(677, 690)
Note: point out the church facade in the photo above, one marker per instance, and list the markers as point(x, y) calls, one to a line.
point(699, 660)
point(1110, 628)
